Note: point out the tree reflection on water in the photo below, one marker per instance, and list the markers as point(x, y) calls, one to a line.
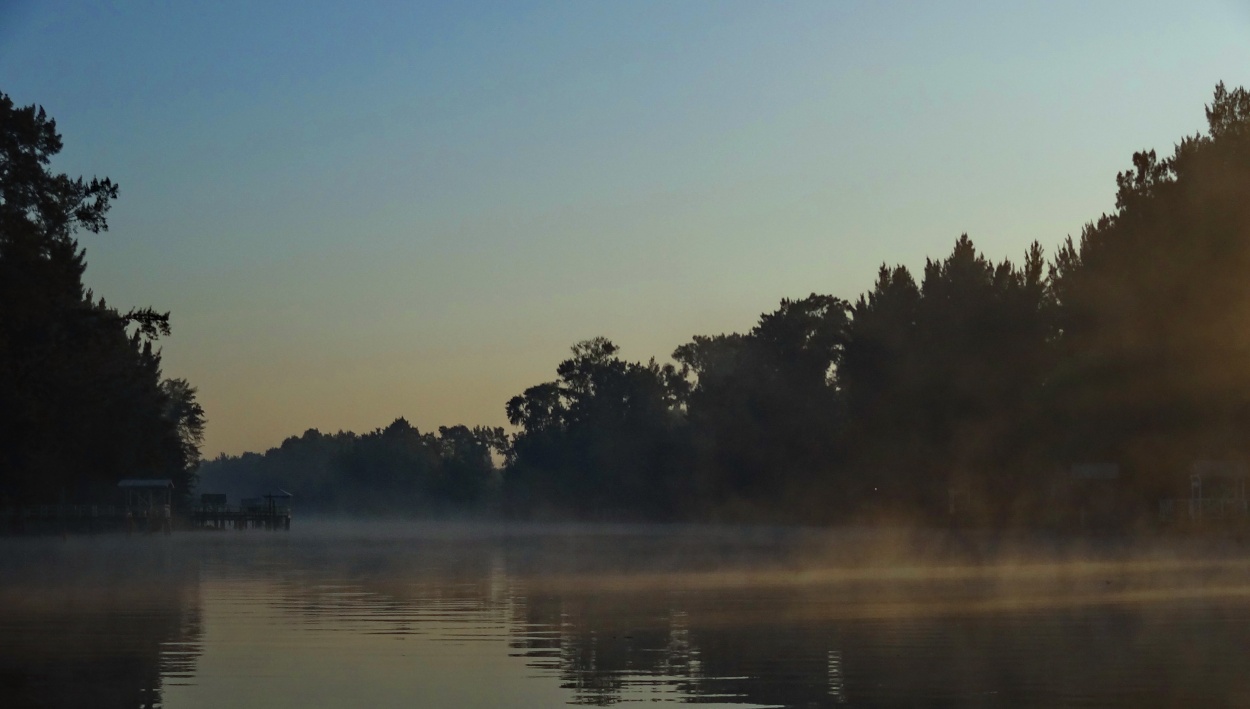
point(610, 619)
point(95, 624)
point(644, 618)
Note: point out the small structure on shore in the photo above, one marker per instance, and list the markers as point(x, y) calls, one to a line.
point(148, 504)
point(212, 502)
point(1217, 491)
point(1095, 471)
point(1088, 495)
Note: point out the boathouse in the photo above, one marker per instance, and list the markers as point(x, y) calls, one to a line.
point(1089, 495)
point(147, 504)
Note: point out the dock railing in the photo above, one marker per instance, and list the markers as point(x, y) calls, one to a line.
point(244, 516)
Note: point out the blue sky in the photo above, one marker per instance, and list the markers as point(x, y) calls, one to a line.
point(361, 211)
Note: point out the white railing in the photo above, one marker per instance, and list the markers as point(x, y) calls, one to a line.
point(1205, 508)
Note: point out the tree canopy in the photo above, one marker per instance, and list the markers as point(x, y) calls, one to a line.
point(392, 470)
point(84, 399)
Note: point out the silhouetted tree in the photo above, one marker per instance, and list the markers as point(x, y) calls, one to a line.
point(764, 409)
point(943, 379)
point(83, 400)
point(1152, 305)
point(605, 439)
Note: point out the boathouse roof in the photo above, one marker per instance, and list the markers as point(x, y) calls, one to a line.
point(1095, 471)
point(163, 483)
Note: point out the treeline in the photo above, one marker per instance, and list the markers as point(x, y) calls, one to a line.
point(972, 382)
point(83, 401)
point(390, 470)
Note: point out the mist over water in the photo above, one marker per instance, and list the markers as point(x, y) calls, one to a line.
point(339, 613)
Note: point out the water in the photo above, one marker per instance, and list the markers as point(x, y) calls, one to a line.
point(461, 616)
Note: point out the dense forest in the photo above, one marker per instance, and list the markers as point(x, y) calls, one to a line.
point(83, 401)
point(972, 381)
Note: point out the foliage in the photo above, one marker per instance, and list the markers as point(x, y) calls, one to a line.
point(394, 470)
point(942, 380)
point(981, 380)
point(83, 400)
point(605, 439)
point(1152, 304)
point(764, 407)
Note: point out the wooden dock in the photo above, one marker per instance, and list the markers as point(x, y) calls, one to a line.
point(102, 519)
point(85, 519)
point(271, 512)
point(241, 517)
point(148, 509)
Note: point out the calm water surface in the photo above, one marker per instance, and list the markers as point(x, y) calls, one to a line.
point(459, 616)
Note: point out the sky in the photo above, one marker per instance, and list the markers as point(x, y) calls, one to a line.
point(360, 211)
